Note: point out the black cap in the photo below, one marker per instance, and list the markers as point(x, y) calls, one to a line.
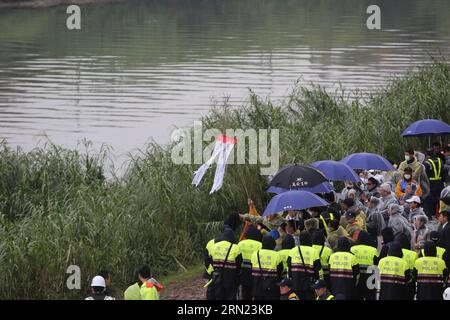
point(319, 284)
point(285, 283)
point(350, 214)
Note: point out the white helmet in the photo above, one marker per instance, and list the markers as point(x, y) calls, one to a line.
point(446, 294)
point(98, 281)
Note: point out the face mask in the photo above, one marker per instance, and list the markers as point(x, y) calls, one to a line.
point(407, 176)
point(407, 158)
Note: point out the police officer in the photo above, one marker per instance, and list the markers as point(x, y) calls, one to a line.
point(366, 256)
point(344, 270)
point(434, 236)
point(286, 247)
point(267, 268)
point(286, 291)
point(304, 267)
point(226, 260)
point(247, 247)
point(394, 274)
point(322, 293)
point(434, 167)
point(430, 272)
point(410, 257)
point(324, 253)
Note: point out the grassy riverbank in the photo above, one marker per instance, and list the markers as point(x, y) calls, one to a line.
point(57, 209)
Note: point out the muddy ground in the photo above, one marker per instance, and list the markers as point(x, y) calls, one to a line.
point(191, 289)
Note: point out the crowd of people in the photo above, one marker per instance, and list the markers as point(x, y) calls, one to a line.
point(386, 237)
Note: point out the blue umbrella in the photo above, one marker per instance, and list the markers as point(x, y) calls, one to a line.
point(427, 127)
point(293, 200)
point(337, 171)
point(324, 187)
point(368, 161)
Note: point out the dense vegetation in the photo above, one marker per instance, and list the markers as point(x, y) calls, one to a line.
point(57, 208)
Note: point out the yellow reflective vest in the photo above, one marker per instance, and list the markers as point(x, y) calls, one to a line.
point(439, 250)
point(430, 270)
point(364, 256)
point(247, 248)
point(392, 270)
point(324, 257)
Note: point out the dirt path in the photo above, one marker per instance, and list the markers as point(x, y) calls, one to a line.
point(191, 289)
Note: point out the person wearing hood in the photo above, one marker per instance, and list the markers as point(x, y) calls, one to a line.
point(248, 246)
point(430, 272)
point(387, 235)
point(410, 257)
point(444, 203)
point(344, 270)
point(366, 256)
point(375, 221)
point(352, 194)
point(335, 232)
point(372, 188)
point(324, 253)
point(435, 236)
point(286, 247)
point(394, 274)
point(348, 205)
point(407, 187)
point(267, 269)
point(387, 198)
point(304, 267)
point(209, 269)
point(311, 225)
point(421, 232)
point(226, 259)
point(415, 209)
point(398, 222)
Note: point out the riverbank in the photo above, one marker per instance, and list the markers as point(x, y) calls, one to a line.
point(57, 209)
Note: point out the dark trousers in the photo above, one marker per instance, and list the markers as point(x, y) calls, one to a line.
point(246, 292)
point(365, 293)
point(431, 202)
point(223, 293)
point(210, 292)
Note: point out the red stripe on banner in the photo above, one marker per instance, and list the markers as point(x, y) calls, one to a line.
point(226, 139)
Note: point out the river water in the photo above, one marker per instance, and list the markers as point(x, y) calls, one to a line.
point(138, 69)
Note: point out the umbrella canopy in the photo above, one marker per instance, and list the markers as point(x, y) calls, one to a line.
point(293, 200)
point(368, 161)
point(336, 171)
point(323, 187)
point(427, 127)
point(296, 176)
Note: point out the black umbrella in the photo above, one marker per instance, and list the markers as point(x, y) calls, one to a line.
point(297, 176)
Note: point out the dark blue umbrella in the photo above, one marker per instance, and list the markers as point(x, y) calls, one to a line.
point(296, 176)
point(368, 161)
point(324, 187)
point(293, 200)
point(427, 127)
point(336, 171)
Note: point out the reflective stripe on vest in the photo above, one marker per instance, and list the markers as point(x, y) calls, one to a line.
point(430, 270)
point(392, 270)
point(269, 260)
point(219, 252)
point(437, 173)
point(341, 265)
point(309, 256)
point(247, 247)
